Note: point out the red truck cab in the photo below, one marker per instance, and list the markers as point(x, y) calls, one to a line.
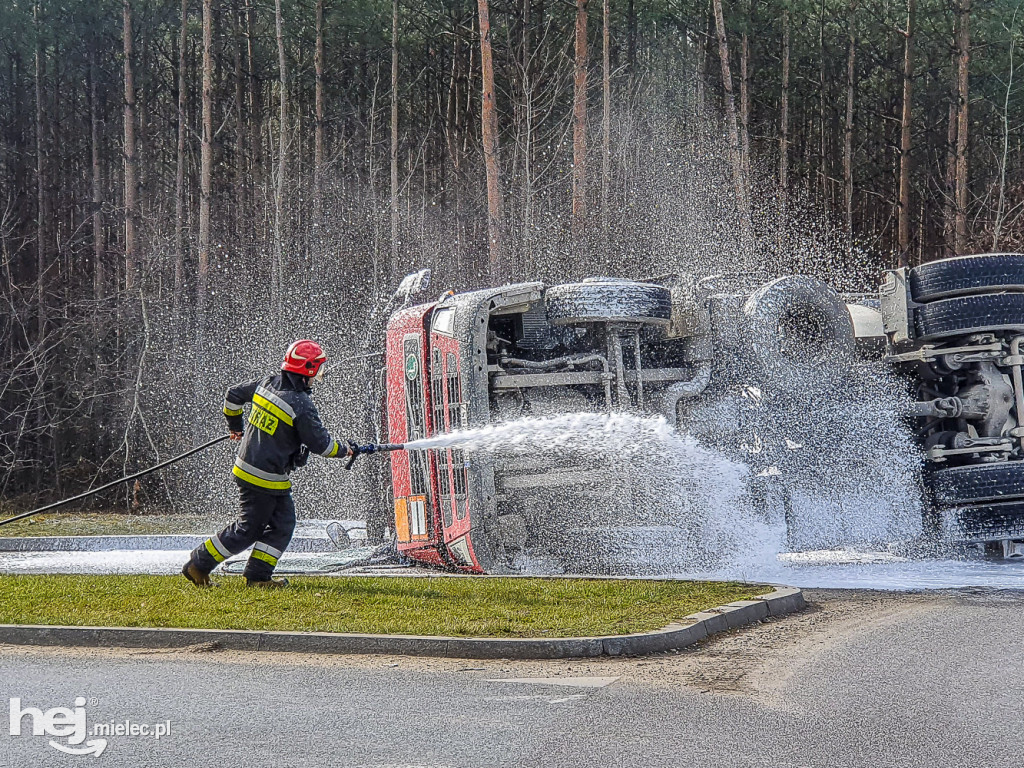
point(424, 398)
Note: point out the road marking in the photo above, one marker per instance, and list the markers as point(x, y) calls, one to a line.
point(538, 697)
point(535, 697)
point(570, 682)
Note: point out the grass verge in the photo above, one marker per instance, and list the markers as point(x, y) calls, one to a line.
point(107, 524)
point(407, 606)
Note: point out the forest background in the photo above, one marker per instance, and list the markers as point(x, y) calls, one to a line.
point(186, 186)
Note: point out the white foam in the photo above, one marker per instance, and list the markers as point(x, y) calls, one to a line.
point(109, 561)
point(862, 494)
point(671, 484)
point(843, 570)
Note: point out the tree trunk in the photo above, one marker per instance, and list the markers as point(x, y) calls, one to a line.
point(41, 208)
point(179, 174)
point(784, 112)
point(318, 140)
point(823, 170)
point(851, 52)
point(606, 125)
point(704, 36)
point(98, 244)
point(963, 46)
point(631, 36)
point(253, 103)
point(394, 137)
point(579, 124)
point(903, 226)
point(143, 65)
point(525, 260)
point(277, 281)
point(371, 173)
point(526, 39)
point(745, 92)
point(131, 183)
point(241, 156)
point(206, 165)
point(526, 50)
point(451, 120)
point(489, 136)
point(949, 199)
point(735, 152)
point(997, 224)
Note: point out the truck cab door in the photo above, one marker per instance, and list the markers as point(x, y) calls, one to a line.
point(448, 414)
point(417, 520)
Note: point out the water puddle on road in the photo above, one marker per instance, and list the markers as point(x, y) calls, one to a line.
point(847, 569)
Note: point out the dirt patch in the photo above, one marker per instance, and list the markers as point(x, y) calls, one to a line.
point(759, 661)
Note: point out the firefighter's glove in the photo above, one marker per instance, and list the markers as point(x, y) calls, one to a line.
point(302, 456)
point(353, 453)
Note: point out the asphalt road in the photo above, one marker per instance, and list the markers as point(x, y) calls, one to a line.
point(860, 679)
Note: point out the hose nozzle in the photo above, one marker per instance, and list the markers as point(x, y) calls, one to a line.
point(357, 450)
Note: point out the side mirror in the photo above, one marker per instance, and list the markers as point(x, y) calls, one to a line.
point(413, 284)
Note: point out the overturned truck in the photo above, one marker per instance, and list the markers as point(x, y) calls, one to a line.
point(950, 329)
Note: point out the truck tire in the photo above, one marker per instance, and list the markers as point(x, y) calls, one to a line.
point(796, 324)
point(965, 275)
point(982, 313)
point(977, 482)
point(990, 522)
point(605, 300)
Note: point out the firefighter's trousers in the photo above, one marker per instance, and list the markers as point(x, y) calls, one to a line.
point(266, 524)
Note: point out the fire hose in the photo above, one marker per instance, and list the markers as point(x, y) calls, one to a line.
point(126, 479)
point(385, 553)
point(356, 451)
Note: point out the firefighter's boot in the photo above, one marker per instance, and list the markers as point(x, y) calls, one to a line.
point(196, 576)
point(267, 583)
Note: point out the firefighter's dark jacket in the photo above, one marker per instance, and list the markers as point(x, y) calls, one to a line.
point(282, 420)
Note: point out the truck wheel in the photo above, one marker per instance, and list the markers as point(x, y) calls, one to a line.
point(606, 300)
point(965, 275)
point(977, 482)
point(990, 522)
point(970, 314)
point(796, 324)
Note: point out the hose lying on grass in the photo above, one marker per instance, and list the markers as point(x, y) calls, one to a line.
point(383, 554)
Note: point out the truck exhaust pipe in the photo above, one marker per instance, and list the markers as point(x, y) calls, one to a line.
point(685, 389)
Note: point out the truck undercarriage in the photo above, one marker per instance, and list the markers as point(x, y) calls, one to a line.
point(681, 348)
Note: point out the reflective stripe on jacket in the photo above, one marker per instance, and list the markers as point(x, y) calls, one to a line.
point(282, 418)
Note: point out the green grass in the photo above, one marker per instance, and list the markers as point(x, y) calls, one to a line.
point(106, 524)
point(414, 606)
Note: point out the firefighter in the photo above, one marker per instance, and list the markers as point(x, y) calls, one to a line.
point(284, 427)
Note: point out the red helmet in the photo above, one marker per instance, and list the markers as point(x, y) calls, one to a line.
point(304, 357)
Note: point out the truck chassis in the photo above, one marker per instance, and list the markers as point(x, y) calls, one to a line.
point(952, 330)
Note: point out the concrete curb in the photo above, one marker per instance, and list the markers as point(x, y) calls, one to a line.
point(693, 629)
